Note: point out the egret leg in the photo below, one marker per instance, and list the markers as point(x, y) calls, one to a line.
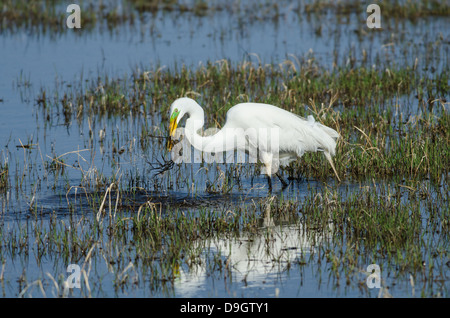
point(269, 181)
point(285, 184)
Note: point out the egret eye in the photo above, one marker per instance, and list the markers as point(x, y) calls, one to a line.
point(174, 114)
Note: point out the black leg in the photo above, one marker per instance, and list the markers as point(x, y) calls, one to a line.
point(285, 184)
point(269, 181)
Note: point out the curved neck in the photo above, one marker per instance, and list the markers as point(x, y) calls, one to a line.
point(194, 124)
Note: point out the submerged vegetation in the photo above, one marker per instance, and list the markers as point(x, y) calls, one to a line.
point(138, 224)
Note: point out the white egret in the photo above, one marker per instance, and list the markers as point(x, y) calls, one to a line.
point(296, 135)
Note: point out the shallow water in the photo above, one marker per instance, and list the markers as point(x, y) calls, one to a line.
point(31, 62)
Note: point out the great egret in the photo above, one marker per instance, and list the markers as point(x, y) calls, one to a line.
point(296, 135)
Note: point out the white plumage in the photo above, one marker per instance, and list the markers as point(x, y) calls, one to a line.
point(258, 122)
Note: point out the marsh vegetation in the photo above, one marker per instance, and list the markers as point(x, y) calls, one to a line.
point(86, 179)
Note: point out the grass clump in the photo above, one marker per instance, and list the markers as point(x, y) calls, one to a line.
point(48, 15)
point(4, 177)
point(411, 9)
point(392, 226)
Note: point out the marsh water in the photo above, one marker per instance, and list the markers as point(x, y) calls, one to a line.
point(291, 265)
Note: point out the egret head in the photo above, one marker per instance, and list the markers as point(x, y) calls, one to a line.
point(180, 107)
point(177, 111)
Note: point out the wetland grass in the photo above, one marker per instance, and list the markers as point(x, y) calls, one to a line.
point(393, 9)
point(381, 227)
point(4, 177)
point(134, 223)
point(399, 158)
point(45, 16)
point(381, 136)
point(345, 230)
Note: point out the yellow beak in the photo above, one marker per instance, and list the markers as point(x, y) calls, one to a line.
point(169, 145)
point(172, 128)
